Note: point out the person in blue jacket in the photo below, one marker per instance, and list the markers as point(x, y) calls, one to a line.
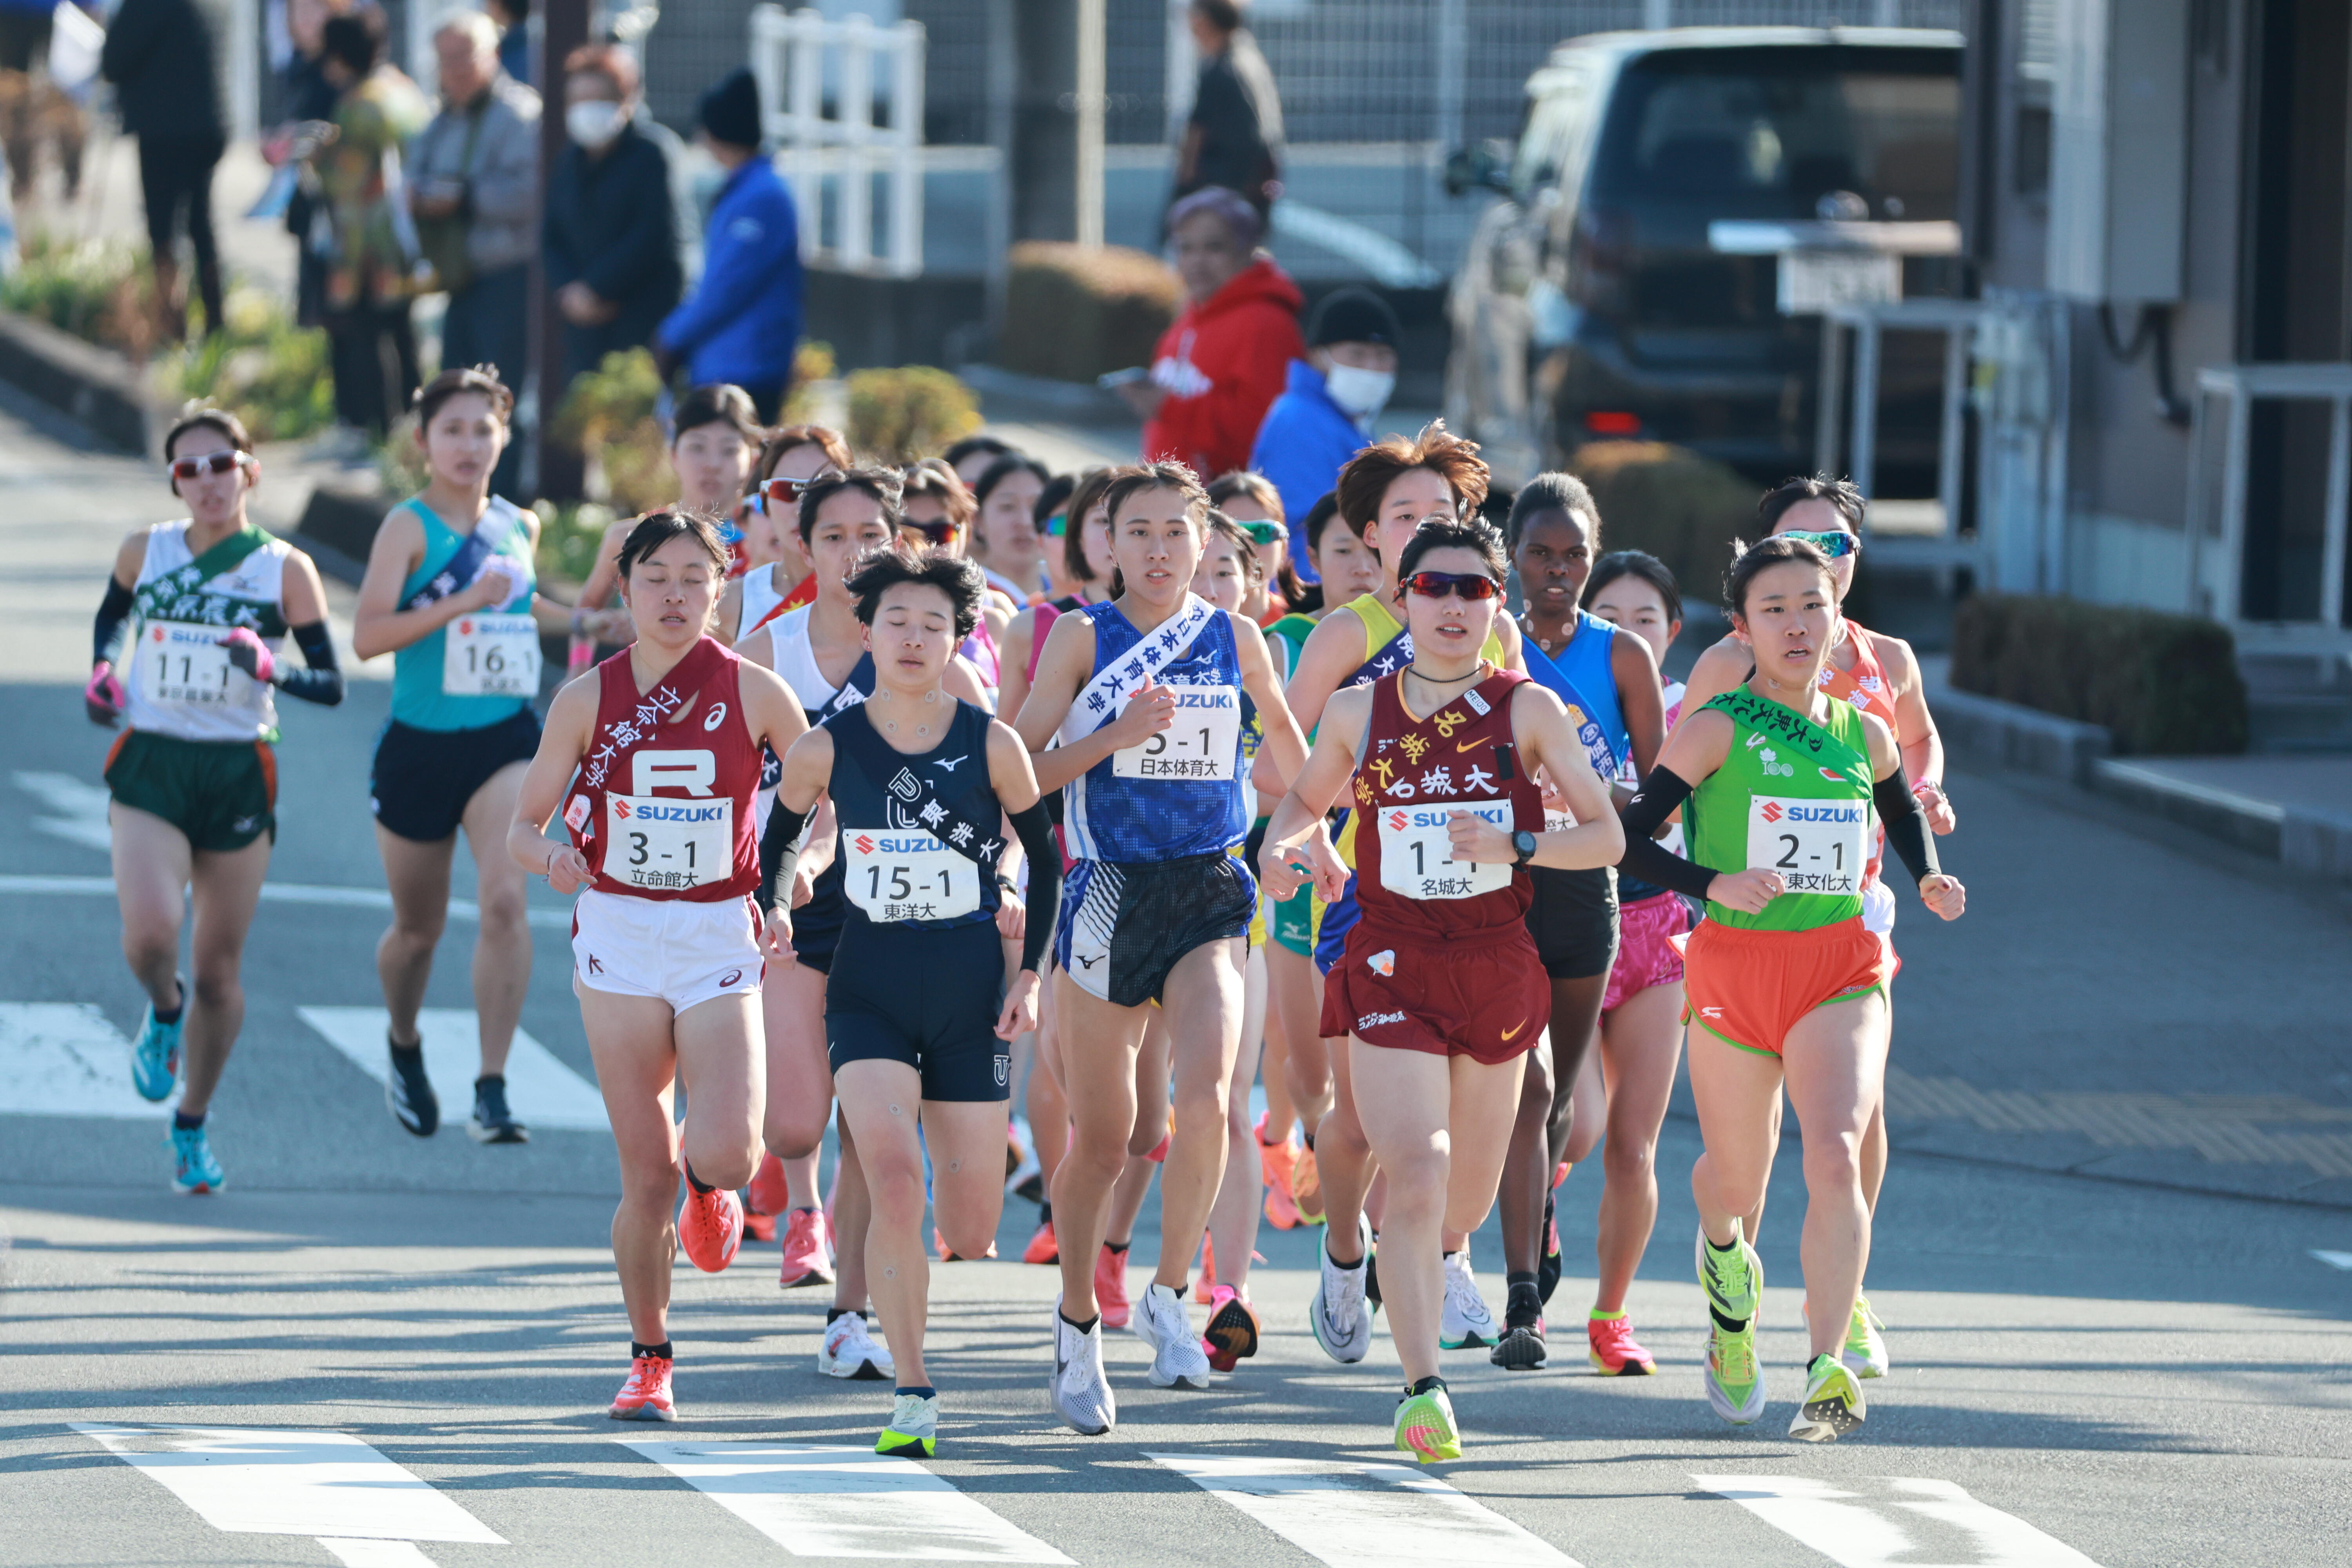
point(741, 322)
point(1325, 414)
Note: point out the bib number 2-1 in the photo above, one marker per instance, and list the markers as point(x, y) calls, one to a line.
point(490, 656)
point(666, 844)
point(1816, 846)
point(1417, 852)
point(1203, 743)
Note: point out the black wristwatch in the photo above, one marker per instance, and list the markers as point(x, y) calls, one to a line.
point(1523, 846)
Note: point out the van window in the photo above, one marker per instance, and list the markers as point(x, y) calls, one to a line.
point(1556, 117)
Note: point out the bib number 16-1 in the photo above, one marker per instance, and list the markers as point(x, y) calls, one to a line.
point(1816, 846)
point(490, 656)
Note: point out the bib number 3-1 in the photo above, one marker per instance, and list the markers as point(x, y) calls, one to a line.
point(1203, 743)
point(666, 844)
point(1816, 846)
point(186, 665)
point(490, 656)
point(1417, 852)
point(895, 876)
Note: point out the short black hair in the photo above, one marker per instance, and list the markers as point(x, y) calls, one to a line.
point(718, 404)
point(1554, 491)
point(480, 379)
point(1053, 498)
point(1318, 517)
point(1843, 494)
point(657, 528)
point(355, 39)
point(200, 415)
point(1769, 551)
point(1225, 16)
point(1004, 469)
point(955, 455)
point(883, 484)
point(880, 571)
point(1636, 563)
point(1477, 536)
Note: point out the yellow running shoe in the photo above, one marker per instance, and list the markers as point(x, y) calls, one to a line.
point(1833, 1405)
point(914, 1429)
point(1864, 1352)
point(1306, 1187)
point(1425, 1423)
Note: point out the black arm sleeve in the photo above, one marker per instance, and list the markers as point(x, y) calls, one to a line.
point(1645, 858)
point(322, 681)
point(1255, 842)
point(1906, 825)
point(106, 635)
point(780, 855)
point(1045, 902)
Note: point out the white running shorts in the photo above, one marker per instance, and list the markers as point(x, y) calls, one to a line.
point(681, 952)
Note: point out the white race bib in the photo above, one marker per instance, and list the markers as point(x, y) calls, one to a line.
point(1203, 743)
point(1417, 851)
point(665, 845)
point(490, 656)
point(895, 874)
point(1817, 846)
point(183, 665)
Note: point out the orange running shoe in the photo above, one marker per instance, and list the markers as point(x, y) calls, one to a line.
point(769, 1194)
point(1042, 1247)
point(1233, 1328)
point(1274, 1163)
point(711, 1228)
point(1306, 1187)
point(1110, 1288)
point(646, 1396)
point(939, 1242)
point(758, 1226)
point(1201, 1287)
point(808, 1256)
point(1614, 1351)
point(1159, 1154)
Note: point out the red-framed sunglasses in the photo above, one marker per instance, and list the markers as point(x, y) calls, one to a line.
point(790, 490)
point(942, 532)
point(1466, 584)
point(210, 463)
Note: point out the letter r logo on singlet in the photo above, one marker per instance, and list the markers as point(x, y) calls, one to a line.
point(692, 772)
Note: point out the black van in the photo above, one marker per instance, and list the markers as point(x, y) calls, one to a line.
point(1590, 302)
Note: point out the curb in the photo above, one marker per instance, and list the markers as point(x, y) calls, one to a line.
point(2238, 819)
point(96, 387)
point(2008, 735)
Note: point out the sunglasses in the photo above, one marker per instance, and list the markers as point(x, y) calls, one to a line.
point(1057, 525)
point(1465, 585)
point(786, 491)
point(210, 463)
point(1266, 532)
point(941, 532)
point(1833, 543)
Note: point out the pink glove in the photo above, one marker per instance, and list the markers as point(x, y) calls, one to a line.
point(251, 655)
point(103, 699)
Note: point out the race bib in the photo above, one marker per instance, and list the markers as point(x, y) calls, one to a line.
point(184, 665)
point(1417, 852)
point(665, 845)
point(490, 656)
point(1817, 846)
point(1203, 743)
point(899, 876)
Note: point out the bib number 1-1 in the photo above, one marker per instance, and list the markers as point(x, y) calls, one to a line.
point(1816, 846)
point(1417, 852)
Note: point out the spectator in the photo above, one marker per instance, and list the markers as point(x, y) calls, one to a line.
point(372, 269)
point(744, 317)
point(610, 239)
point(33, 108)
point(474, 186)
point(1235, 136)
point(1325, 414)
point(513, 17)
point(158, 56)
point(310, 99)
point(1221, 362)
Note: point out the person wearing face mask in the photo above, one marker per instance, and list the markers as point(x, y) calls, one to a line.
point(610, 238)
point(1325, 414)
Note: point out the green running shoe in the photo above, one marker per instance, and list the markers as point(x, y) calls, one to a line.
point(1833, 1405)
point(1733, 1280)
point(1734, 1382)
point(1864, 1352)
point(1425, 1424)
point(914, 1429)
point(1734, 1283)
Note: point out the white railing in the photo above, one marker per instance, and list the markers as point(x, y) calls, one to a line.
point(805, 65)
point(2217, 533)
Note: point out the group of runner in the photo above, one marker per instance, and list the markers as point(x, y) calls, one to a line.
point(1137, 807)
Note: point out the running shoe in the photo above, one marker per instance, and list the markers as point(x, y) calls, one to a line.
point(155, 1059)
point(1203, 1286)
point(711, 1228)
point(769, 1192)
point(1231, 1334)
point(1425, 1424)
point(1042, 1247)
point(1338, 1316)
point(1864, 1353)
point(1110, 1288)
point(1521, 1348)
point(1464, 1323)
point(848, 1351)
point(194, 1169)
point(1833, 1405)
point(1080, 1393)
point(1307, 1186)
point(1734, 1283)
point(758, 1226)
point(808, 1259)
point(1161, 1321)
point(409, 1093)
point(914, 1429)
point(1026, 1179)
point(492, 1123)
point(1615, 1352)
point(1276, 1163)
point(646, 1395)
point(1548, 1267)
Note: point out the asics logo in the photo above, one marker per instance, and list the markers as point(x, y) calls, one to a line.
point(1710, 1012)
point(731, 977)
point(715, 716)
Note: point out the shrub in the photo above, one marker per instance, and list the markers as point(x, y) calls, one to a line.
point(913, 412)
point(568, 536)
point(812, 363)
point(100, 290)
point(1073, 311)
point(272, 374)
point(2162, 684)
point(1682, 508)
point(607, 417)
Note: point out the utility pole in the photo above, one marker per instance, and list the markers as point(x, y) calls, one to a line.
point(563, 29)
point(1092, 92)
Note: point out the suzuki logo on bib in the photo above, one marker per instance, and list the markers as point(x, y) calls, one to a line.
point(1396, 819)
point(865, 845)
point(1771, 812)
point(692, 772)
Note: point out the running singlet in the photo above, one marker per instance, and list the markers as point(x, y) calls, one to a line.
point(981, 650)
point(1633, 889)
point(179, 682)
point(792, 658)
point(1185, 790)
point(481, 668)
point(1412, 777)
point(1584, 677)
point(908, 838)
point(1865, 687)
point(662, 804)
point(1792, 796)
point(1388, 647)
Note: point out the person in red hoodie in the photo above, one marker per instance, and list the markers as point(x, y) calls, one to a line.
point(1222, 364)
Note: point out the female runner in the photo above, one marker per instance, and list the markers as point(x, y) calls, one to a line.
point(1005, 541)
point(1253, 502)
point(665, 741)
point(1440, 992)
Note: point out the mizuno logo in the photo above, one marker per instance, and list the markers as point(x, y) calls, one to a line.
point(1088, 959)
point(949, 767)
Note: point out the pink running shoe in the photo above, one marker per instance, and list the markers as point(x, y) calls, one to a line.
point(1615, 1352)
point(711, 1228)
point(1110, 1288)
point(808, 1254)
point(646, 1396)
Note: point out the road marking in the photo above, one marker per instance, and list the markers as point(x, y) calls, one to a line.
point(1863, 1531)
point(543, 1091)
point(1357, 1514)
point(277, 893)
point(2333, 1259)
point(63, 1058)
point(377, 1553)
point(79, 808)
point(326, 1484)
point(824, 1501)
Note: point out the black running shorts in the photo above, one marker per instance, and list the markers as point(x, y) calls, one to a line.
point(1574, 920)
point(1125, 925)
point(927, 997)
point(423, 779)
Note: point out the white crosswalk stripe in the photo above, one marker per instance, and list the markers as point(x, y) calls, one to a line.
point(314, 894)
point(542, 1091)
point(1362, 1516)
point(76, 807)
point(63, 1058)
point(1859, 1529)
point(826, 1501)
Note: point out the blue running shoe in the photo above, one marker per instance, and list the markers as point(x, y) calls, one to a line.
point(195, 1169)
point(155, 1059)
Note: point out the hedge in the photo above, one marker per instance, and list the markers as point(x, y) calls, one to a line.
point(1682, 508)
point(2162, 684)
point(1073, 311)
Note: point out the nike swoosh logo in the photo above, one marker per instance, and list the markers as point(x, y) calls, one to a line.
point(1513, 1030)
point(1469, 745)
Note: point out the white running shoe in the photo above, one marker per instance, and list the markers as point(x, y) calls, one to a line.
point(1342, 1318)
point(1464, 1323)
point(1161, 1321)
point(849, 1351)
point(1080, 1392)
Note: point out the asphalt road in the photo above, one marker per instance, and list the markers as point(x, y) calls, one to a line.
point(404, 1347)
